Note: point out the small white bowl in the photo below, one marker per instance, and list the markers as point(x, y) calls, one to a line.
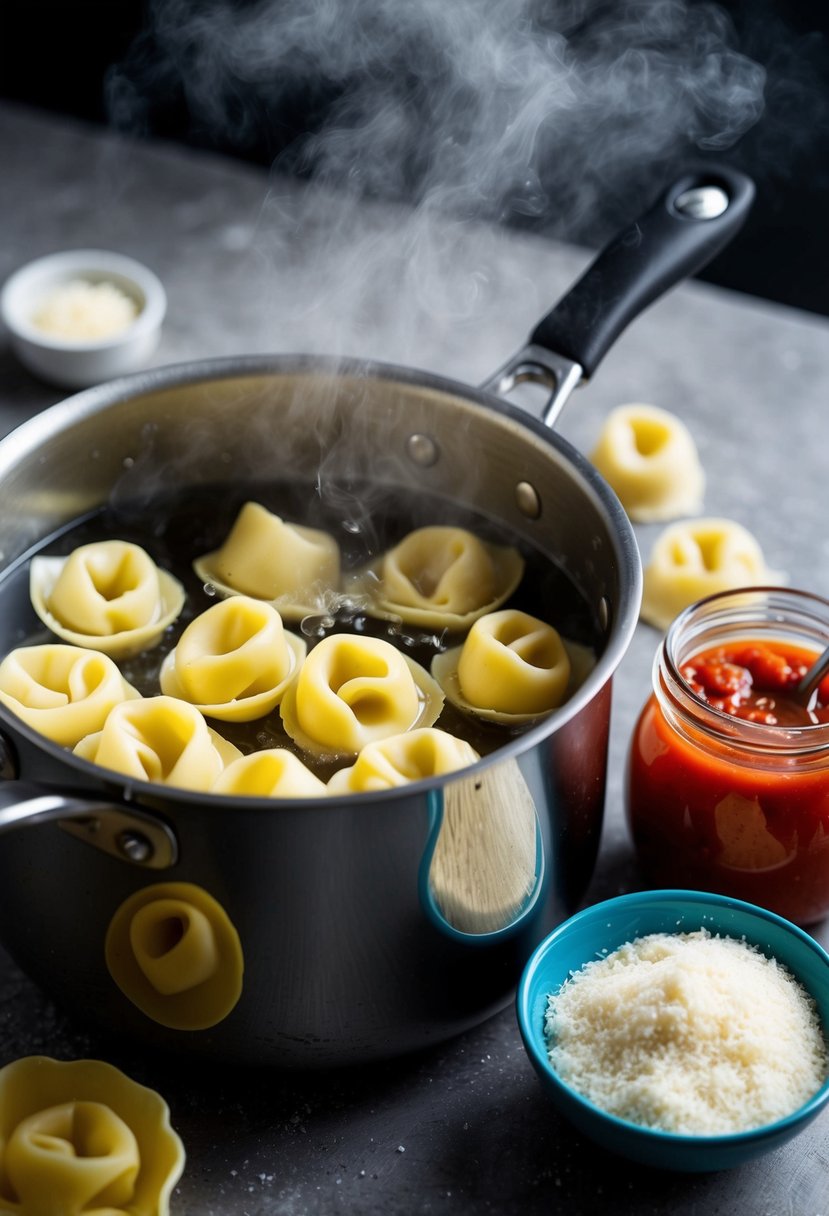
point(77, 364)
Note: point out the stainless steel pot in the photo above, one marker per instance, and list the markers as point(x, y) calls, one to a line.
point(371, 925)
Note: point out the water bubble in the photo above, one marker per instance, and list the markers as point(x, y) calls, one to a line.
point(128, 462)
point(210, 590)
point(352, 605)
point(316, 626)
point(353, 526)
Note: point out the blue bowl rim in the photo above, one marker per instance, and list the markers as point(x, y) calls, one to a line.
point(539, 1058)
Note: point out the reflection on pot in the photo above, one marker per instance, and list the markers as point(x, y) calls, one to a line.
point(484, 864)
point(174, 953)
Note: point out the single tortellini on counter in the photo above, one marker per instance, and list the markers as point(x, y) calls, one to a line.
point(293, 567)
point(79, 1136)
point(159, 739)
point(62, 692)
point(401, 759)
point(691, 560)
point(439, 577)
point(175, 954)
point(352, 690)
point(512, 667)
point(234, 661)
point(108, 596)
point(650, 459)
point(273, 772)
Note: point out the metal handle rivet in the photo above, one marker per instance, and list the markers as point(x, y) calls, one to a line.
point(422, 450)
point(527, 500)
point(135, 846)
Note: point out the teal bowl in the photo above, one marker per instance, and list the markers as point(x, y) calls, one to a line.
point(604, 927)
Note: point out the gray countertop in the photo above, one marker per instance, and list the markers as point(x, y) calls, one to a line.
point(253, 263)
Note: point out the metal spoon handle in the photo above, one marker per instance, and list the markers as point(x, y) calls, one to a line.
point(813, 677)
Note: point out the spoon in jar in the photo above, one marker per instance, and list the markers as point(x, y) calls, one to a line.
point(806, 687)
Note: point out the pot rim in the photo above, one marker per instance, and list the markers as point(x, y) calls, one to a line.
point(64, 414)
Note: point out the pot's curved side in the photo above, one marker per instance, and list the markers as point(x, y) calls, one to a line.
point(368, 929)
point(368, 926)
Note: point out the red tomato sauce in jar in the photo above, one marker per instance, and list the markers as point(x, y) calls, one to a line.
point(755, 681)
point(728, 775)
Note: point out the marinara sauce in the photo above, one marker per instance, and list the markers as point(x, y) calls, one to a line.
point(728, 773)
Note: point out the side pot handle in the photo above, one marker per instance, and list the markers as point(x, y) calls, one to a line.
point(131, 834)
point(693, 219)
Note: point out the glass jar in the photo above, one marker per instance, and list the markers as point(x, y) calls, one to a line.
point(719, 803)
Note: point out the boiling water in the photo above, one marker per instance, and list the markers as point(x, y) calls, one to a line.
point(176, 529)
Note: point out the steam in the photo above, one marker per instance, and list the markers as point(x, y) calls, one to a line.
point(557, 115)
point(489, 109)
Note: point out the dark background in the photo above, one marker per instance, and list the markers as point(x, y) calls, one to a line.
point(60, 56)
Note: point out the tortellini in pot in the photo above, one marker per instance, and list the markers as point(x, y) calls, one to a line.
point(63, 692)
point(352, 690)
point(234, 661)
point(175, 954)
point(511, 668)
point(159, 739)
point(108, 596)
point(401, 759)
point(440, 577)
point(650, 459)
point(79, 1136)
point(272, 773)
point(691, 560)
point(293, 567)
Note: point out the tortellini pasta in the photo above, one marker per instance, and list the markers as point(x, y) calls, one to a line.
point(159, 739)
point(512, 667)
point(400, 759)
point(691, 560)
point(63, 692)
point(440, 577)
point(650, 459)
point(79, 1136)
point(352, 690)
point(234, 661)
point(173, 951)
point(294, 567)
point(108, 596)
point(272, 773)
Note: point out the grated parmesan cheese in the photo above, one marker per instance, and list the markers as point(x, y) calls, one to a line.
point(80, 311)
point(688, 1033)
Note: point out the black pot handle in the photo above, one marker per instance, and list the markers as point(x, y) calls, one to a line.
point(696, 217)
